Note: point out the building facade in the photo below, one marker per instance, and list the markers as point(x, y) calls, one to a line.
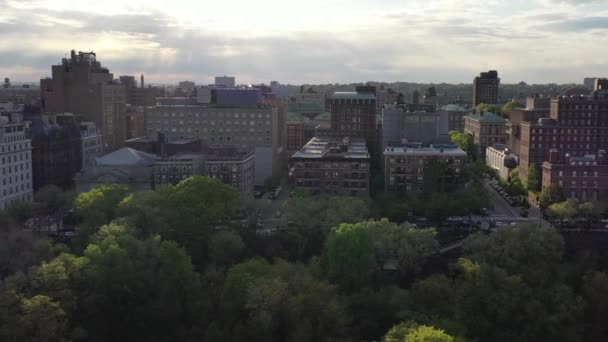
point(15, 154)
point(353, 114)
point(582, 178)
point(487, 129)
point(233, 168)
point(134, 121)
point(577, 124)
point(332, 166)
point(176, 168)
point(536, 108)
point(500, 159)
point(405, 167)
point(261, 128)
point(485, 88)
point(296, 137)
point(91, 142)
point(225, 81)
point(452, 116)
point(56, 149)
point(81, 85)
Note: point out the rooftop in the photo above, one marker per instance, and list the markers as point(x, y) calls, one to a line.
point(487, 117)
point(454, 108)
point(353, 95)
point(318, 148)
point(127, 157)
point(450, 150)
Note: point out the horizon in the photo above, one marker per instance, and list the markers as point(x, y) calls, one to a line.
point(321, 42)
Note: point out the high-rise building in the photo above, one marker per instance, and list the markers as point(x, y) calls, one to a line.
point(81, 85)
point(353, 114)
point(16, 157)
point(225, 81)
point(485, 88)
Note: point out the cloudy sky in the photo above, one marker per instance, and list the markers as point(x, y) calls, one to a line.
point(311, 41)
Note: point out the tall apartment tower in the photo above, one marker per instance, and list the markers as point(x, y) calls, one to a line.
point(485, 88)
point(16, 157)
point(353, 115)
point(81, 85)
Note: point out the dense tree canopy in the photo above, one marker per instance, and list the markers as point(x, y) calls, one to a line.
point(174, 264)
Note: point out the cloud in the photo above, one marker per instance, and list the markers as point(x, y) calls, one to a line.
point(431, 41)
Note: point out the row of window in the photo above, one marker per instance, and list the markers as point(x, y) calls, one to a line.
point(14, 190)
point(20, 167)
point(214, 114)
point(15, 147)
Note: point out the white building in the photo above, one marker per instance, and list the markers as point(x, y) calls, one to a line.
point(16, 158)
point(92, 143)
point(225, 81)
point(501, 160)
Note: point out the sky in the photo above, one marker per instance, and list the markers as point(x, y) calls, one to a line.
point(312, 41)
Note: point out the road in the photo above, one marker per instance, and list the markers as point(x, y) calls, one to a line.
point(501, 206)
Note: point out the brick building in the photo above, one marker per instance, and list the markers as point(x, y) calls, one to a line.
point(536, 108)
point(486, 128)
point(81, 85)
point(582, 178)
point(353, 114)
point(332, 166)
point(405, 167)
point(577, 124)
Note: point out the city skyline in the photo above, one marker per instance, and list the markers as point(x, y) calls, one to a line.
point(540, 41)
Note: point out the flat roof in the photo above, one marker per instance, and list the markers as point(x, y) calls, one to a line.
point(423, 151)
point(353, 95)
point(347, 148)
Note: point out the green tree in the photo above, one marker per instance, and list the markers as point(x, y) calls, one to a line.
point(528, 250)
point(533, 179)
point(349, 252)
point(550, 194)
point(97, 206)
point(41, 320)
point(22, 211)
point(428, 334)
point(463, 140)
point(226, 247)
point(594, 289)
point(487, 108)
point(506, 110)
point(562, 210)
point(53, 198)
